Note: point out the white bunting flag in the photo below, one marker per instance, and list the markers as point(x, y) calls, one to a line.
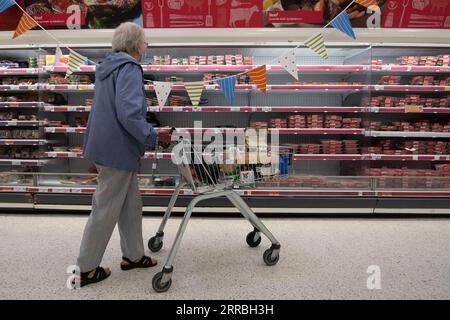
point(287, 61)
point(194, 89)
point(162, 90)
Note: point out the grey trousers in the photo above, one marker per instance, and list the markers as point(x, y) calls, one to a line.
point(116, 200)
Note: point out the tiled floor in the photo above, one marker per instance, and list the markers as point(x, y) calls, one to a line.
point(320, 259)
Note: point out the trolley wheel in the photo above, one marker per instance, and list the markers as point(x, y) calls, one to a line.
point(156, 283)
point(268, 259)
point(251, 239)
point(153, 246)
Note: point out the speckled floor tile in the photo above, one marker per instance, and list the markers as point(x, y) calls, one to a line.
point(320, 259)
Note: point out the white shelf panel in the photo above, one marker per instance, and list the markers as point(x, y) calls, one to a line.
point(243, 192)
point(23, 162)
point(34, 104)
point(408, 134)
point(22, 142)
point(21, 123)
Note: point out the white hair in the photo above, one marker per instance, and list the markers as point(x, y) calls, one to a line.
point(128, 37)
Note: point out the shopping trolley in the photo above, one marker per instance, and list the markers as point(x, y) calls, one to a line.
point(207, 177)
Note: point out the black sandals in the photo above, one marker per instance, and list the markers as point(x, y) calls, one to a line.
point(99, 275)
point(145, 262)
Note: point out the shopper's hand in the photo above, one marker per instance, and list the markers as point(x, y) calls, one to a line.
point(165, 136)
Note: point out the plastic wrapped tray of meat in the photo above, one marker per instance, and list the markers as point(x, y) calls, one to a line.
point(297, 121)
point(310, 148)
point(315, 121)
point(278, 123)
point(389, 80)
point(258, 124)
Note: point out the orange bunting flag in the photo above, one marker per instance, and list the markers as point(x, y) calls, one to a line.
point(258, 76)
point(26, 23)
point(366, 3)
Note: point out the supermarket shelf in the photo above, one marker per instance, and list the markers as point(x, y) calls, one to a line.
point(20, 71)
point(316, 131)
point(314, 87)
point(242, 192)
point(295, 109)
point(296, 157)
point(16, 87)
point(407, 134)
point(67, 87)
point(255, 109)
point(22, 142)
point(21, 123)
point(242, 68)
point(371, 157)
point(68, 154)
point(328, 157)
point(63, 68)
point(63, 154)
point(206, 37)
point(409, 69)
point(242, 87)
point(413, 109)
point(22, 162)
point(49, 108)
point(324, 131)
point(65, 130)
point(34, 104)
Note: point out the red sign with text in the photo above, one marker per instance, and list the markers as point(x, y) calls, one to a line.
point(202, 13)
point(279, 12)
point(429, 14)
point(56, 20)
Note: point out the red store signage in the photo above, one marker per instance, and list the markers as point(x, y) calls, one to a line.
point(202, 13)
point(428, 14)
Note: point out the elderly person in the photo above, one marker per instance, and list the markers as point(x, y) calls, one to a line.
point(115, 140)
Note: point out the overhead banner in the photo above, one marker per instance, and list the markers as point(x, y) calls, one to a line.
point(91, 14)
point(279, 12)
point(76, 14)
point(202, 13)
point(433, 14)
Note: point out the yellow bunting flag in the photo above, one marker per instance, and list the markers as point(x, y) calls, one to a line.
point(366, 3)
point(75, 61)
point(26, 23)
point(258, 76)
point(317, 44)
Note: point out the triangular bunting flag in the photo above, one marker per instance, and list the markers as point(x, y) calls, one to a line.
point(366, 3)
point(58, 55)
point(287, 61)
point(342, 23)
point(227, 86)
point(317, 45)
point(5, 4)
point(162, 90)
point(75, 61)
point(194, 90)
point(258, 76)
point(26, 23)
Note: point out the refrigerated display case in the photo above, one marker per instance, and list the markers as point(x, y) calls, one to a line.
point(367, 131)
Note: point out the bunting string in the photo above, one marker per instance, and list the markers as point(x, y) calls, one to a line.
point(46, 31)
point(257, 74)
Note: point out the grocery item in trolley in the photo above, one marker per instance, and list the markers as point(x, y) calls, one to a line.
point(234, 166)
